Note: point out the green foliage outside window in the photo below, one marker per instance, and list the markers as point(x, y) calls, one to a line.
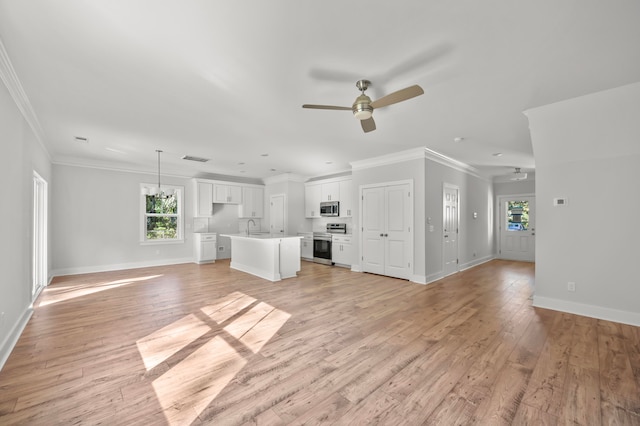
point(161, 217)
point(518, 212)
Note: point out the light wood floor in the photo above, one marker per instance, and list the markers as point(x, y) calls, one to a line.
point(192, 344)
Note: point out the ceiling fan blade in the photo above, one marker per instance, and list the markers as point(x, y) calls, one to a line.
point(326, 107)
point(399, 96)
point(368, 125)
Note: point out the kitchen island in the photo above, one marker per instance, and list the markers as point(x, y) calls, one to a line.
point(273, 258)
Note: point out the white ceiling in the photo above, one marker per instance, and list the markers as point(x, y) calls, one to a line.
point(226, 79)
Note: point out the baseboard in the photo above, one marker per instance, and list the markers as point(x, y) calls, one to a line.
point(10, 341)
point(119, 266)
point(476, 262)
point(592, 311)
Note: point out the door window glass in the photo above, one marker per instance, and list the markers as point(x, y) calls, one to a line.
point(517, 215)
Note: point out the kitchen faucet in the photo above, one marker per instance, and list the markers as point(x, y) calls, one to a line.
point(250, 221)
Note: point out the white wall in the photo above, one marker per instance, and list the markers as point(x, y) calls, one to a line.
point(21, 155)
point(476, 236)
point(96, 221)
point(588, 150)
point(411, 169)
point(293, 189)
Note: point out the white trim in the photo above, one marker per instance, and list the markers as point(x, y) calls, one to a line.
point(118, 169)
point(7, 345)
point(454, 164)
point(417, 154)
point(592, 311)
point(120, 266)
point(14, 86)
point(285, 177)
point(396, 157)
point(475, 262)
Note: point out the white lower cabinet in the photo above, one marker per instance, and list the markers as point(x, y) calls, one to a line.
point(205, 247)
point(342, 250)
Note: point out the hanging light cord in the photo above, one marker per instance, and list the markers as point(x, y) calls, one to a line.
point(159, 188)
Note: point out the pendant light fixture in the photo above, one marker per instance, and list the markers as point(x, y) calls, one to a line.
point(157, 191)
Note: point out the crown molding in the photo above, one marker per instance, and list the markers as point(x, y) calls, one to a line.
point(417, 154)
point(12, 82)
point(284, 177)
point(396, 157)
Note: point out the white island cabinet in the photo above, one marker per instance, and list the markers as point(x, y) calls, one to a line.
point(271, 258)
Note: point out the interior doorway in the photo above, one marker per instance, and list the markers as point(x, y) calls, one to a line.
point(517, 227)
point(39, 261)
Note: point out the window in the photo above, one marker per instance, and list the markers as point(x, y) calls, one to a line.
point(517, 215)
point(162, 218)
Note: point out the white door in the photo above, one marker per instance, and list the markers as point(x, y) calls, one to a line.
point(517, 228)
point(276, 213)
point(39, 261)
point(450, 229)
point(386, 230)
point(373, 230)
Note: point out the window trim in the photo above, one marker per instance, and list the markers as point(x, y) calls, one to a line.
point(179, 191)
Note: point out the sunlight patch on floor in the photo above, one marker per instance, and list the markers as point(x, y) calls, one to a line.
point(162, 344)
point(56, 294)
point(188, 387)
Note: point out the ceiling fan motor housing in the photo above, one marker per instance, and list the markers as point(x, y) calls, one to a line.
point(362, 108)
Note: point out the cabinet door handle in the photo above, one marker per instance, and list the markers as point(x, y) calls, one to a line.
point(386, 235)
point(382, 235)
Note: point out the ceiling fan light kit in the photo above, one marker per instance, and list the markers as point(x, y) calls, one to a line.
point(363, 107)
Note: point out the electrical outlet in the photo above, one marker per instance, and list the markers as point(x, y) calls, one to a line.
point(571, 286)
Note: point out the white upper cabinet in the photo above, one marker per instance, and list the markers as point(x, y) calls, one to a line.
point(330, 191)
point(227, 194)
point(335, 189)
point(312, 197)
point(346, 198)
point(252, 202)
point(204, 198)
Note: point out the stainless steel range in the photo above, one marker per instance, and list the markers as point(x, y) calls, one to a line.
point(322, 242)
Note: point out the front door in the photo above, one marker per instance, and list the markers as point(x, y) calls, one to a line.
point(450, 229)
point(517, 228)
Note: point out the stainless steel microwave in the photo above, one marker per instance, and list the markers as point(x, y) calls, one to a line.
point(330, 208)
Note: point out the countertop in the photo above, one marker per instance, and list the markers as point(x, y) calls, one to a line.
point(258, 236)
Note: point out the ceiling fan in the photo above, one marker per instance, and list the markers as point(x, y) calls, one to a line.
point(363, 107)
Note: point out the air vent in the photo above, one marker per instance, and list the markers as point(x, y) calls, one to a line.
point(192, 158)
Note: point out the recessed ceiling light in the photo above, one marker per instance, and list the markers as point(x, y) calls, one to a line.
point(328, 162)
point(273, 170)
point(458, 139)
point(265, 155)
point(81, 139)
point(497, 154)
point(241, 164)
